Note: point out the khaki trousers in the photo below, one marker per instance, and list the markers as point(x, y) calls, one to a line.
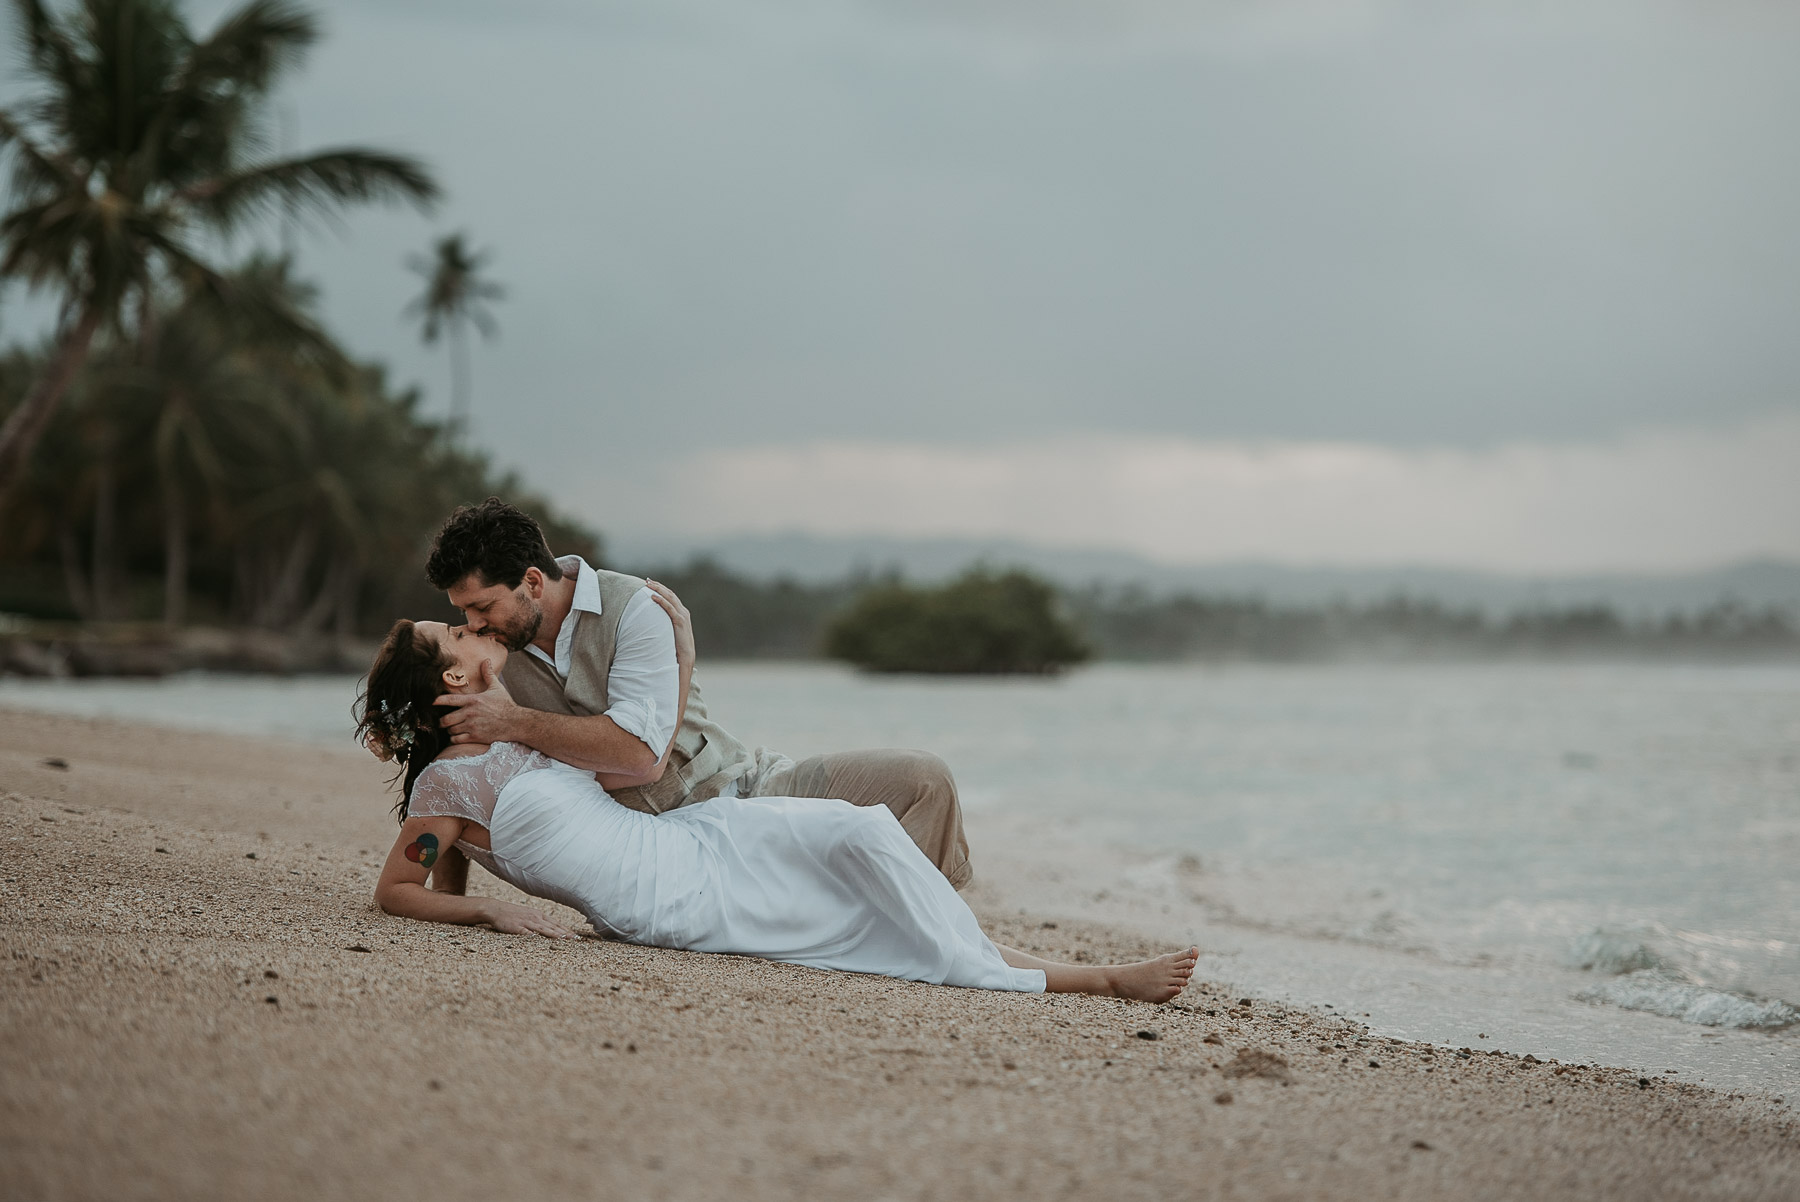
point(916, 785)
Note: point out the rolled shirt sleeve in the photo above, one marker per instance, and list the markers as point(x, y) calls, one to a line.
point(643, 689)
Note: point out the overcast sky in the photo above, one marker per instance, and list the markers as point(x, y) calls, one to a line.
point(1490, 284)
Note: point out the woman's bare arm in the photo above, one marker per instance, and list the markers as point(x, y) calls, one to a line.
point(451, 873)
point(401, 889)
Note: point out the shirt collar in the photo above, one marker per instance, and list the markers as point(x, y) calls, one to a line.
point(587, 583)
point(586, 600)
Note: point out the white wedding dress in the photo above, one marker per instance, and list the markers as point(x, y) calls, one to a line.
point(803, 879)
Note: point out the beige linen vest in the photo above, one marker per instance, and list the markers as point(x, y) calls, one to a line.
point(704, 759)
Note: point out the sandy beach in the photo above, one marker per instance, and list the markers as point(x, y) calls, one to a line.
point(200, 1000)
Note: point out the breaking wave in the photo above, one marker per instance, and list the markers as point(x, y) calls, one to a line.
point(1644, 978)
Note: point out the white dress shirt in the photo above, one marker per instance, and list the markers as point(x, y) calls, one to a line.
point(643, 689)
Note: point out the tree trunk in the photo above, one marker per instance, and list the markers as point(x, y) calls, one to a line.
point(175, 551)
point(349, 587)
point(243, 585)
point(313, 620)
point(106, 506)
point(25, 425)
point(459, 380)
point(73, 580)
point(283, 597)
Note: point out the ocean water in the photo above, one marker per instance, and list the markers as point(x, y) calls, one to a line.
point(1595, 862)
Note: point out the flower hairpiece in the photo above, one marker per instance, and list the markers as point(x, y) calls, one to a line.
point(389, 732)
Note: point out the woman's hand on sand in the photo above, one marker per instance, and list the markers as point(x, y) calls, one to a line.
point(511, 919)
point(679, 615)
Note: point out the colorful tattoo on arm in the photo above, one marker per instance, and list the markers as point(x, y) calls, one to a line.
point(423, 850)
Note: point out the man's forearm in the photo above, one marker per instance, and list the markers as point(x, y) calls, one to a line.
point(613, 781)
point(591, 741)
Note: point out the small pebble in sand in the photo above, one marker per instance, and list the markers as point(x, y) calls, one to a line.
point(1223, 1099)
point(249, 855)
point(1421, 1145)
point(57, 762)
point(1149, 1034)
point(271, 974)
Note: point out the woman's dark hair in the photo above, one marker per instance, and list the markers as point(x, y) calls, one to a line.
point(492, 539)
point(395, 710)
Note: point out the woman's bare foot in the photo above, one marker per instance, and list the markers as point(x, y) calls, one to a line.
point(1155, 980)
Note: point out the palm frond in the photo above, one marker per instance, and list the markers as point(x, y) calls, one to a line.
point(35, 170)
point(261, 307)
point(453, 290)
point(318, 181)
point(43, 242)
point(250, 48)
point(47, 47)
point(183, 265)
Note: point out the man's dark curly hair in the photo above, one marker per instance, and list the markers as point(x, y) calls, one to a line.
point(493, 540)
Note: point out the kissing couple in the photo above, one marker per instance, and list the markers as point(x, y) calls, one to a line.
point(558, 739)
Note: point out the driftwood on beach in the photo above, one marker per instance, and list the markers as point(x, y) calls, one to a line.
point(48, 649)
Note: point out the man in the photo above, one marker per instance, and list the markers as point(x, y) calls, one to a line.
point(597, 686)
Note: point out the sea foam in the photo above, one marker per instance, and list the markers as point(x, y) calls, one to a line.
point(1660, 980)
point(1660, 991)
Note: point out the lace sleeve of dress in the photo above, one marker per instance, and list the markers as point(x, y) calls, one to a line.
point(467, 788)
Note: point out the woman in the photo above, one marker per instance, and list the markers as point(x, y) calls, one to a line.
point(806, 880)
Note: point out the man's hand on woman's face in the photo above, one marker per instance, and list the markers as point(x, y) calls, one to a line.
point(490, 716)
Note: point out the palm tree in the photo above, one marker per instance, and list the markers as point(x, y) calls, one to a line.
point(140, 138)
point(455, 297)
point(206, 389)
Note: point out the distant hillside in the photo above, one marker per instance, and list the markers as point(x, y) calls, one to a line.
point(817, 560)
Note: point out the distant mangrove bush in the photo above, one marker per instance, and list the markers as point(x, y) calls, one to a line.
point(981, 622)
point(1130, 624)
point(740, 617)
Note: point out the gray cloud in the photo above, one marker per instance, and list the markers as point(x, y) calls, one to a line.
point(732, 224)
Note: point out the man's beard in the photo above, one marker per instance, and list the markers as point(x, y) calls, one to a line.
point(519, 638)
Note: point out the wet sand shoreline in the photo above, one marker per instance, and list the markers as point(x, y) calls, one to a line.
point(198, 998)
